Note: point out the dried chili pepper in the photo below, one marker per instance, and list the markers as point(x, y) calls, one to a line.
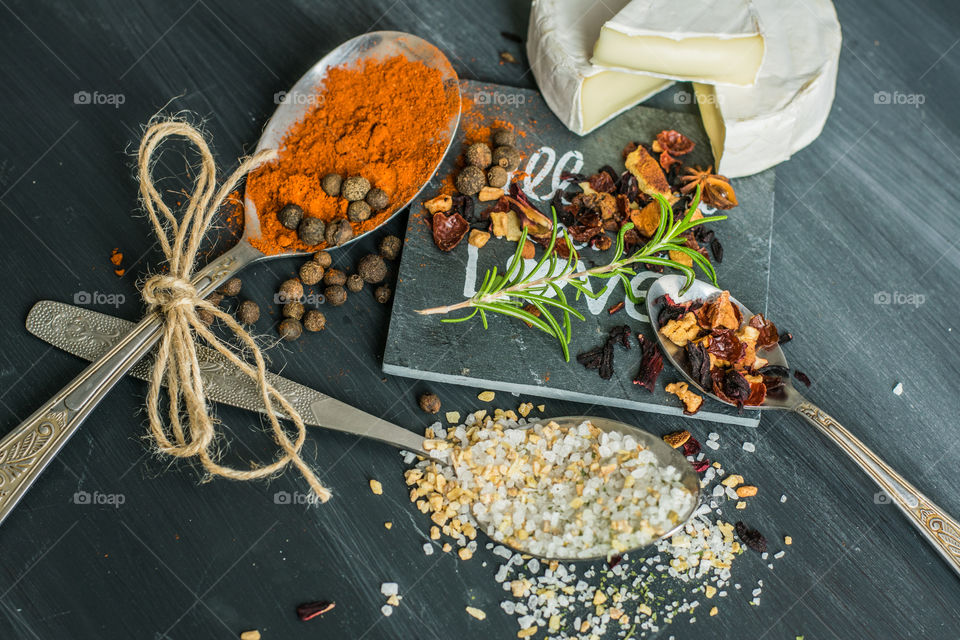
point(785, 338)
point(651, 364)
point(448, 231)
point(802, 377)
point(310, 610)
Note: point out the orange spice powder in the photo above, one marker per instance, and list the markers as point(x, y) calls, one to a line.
point(379, 120)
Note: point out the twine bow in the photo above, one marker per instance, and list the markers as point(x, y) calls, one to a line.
point(175, 297)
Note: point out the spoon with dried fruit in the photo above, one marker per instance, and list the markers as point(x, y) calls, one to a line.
point(705, 321)
point(30, 446)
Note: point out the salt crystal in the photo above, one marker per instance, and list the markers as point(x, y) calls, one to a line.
point(783, 498)
point(713, 444)
point(389, 589)
point(749, 447)
point(427, 549)
point(779, 554)
point(386, 610)
point(898, 390)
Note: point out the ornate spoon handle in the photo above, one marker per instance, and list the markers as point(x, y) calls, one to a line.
point(942, 531)
point(27, 450)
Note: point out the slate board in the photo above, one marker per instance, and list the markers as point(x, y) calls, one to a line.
point(511, 357)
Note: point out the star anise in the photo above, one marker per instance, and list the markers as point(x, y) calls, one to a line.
point(716, 190)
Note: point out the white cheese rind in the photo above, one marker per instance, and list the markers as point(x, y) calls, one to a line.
point(764, 125)
point(560, 40)
point(715, 41)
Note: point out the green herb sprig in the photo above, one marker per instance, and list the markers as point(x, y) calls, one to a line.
point(506, 293)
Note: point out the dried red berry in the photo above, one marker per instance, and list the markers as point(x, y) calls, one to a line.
point(651, 364)
point(701, 465)
point(448, 231)
point(674, 142)
point(725, 344)
point(602, 182)
point(751, 537)
point(768, 337)
point(691, 447)
point(802, 377)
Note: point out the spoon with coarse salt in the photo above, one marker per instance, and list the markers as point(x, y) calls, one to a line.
point(27, 450)
point(940, 530)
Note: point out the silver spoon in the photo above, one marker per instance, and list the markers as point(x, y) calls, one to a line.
point(28, 449)
point(940, 530)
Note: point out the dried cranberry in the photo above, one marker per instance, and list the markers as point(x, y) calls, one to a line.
point(651, 364)
point(614, 561)
point(701, 465)
point(751, 537)
point(802, 377)
point(691, 447)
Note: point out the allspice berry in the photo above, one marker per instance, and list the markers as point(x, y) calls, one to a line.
point(331, 184)
point(478, 154)
point(293, 310)
point(430, 403)
point(377, 199)
point(355, 283)
point(496, 176)
point(355, 188)
point(335, 295)
point(206, 317)
point(338, 232)
point(290, 329)
point(311, 231)
point(390, 247)
point(314, 320)
point(248, 312)
point(383, 293)
point(289, 291)
point(231, 287)
point(290, 216)
point(507, 157)
point(323, 258)
point(372, 268)
point(334, 276)
point(470, 180)
point(358, 211)
point(216, 298)
point(311, 273)
point(504, 138)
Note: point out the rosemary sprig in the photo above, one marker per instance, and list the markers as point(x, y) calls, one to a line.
point(505, 293)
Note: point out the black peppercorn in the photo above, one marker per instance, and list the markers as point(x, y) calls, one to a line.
point(382, 294)
point(390, 247)
point(338, 232)
point(504, 138)
point(470, 180)
point(310, 273)
point(293, 310)
point(289, 291)
point(216, 298)
point(206, 317)
point(334, 277)
point(314, 320)
point(507, 157)
point(358, 211)
point(331, 184)
point(290, 216)
point(430, 403)
point(478, 155)
point(290, 329)
point(496, 176)
point(372, 268)
point(355, 188)
point(311, 231)
point(335, 295)
point(248, 312)
point(355, 283)
point(323, 259)
point(231, 287)
point(377, 199)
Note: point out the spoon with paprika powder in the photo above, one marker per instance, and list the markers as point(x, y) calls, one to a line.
point(28, 449)
point(940, 530)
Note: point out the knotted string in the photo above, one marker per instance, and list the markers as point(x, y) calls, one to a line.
point(190, 430)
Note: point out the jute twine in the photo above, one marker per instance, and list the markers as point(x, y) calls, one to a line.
point(190, 430)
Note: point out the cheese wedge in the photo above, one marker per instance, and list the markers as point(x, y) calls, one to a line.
point(713, 41)
point(754, 128)
point(559, 43)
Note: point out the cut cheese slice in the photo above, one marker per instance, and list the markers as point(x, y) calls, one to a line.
point(715, 41)
point(754, 128)
point(559, 43)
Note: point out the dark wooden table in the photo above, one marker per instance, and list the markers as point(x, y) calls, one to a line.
point(867, 210)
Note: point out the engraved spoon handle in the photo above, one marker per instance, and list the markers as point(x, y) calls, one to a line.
point(27, 450)
point(940, 530)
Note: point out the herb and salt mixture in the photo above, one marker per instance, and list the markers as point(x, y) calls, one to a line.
point(559, 491)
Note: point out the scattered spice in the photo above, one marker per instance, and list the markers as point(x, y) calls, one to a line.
point(376, 487)
point(310, 273)
point(116, 259)
point(429, 402)
point(323, 258)
point(802, 377)
point(248, 312)
point(390, 247)
point(601, 358)
point(751, 537)
point(290, 216)
point(382, 294)
point(252, 634)
point(677, 438)
point(290, 329)
point(354, 283)
point(231, 287)
point(291, 289)
point(691, 401)
point(314, 320)
point(334, 277)
point(372, 269)
point(617, 307)
point(336, 295)
point(310, 610)
point(355, 131)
